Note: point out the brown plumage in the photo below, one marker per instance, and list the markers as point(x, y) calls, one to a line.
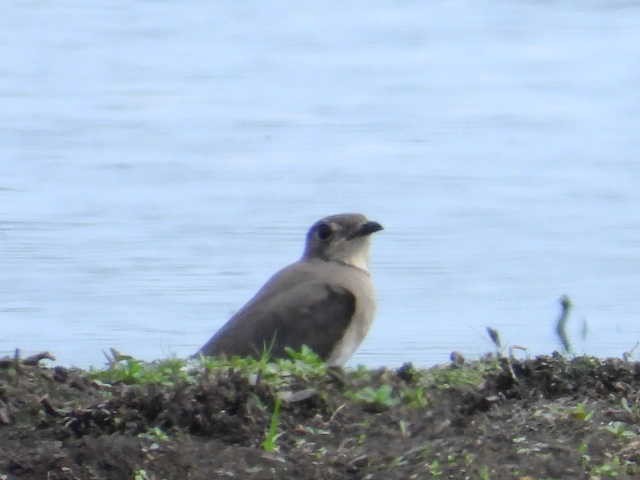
point(325, 300)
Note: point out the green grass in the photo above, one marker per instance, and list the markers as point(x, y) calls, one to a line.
point(140, 474)
point(470, 375)
point(415, 397)
point(269, 444)
point(581, 413)
point(301, 365)
point(132, 371)
point(621, 430)
point(611, 469)
point(155, 434)
point(381, 397)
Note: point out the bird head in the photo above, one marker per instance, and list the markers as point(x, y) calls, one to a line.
point(342, 238)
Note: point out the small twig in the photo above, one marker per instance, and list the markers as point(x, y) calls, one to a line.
point(16, 359)
point(4, 414)
point(344, 443)
point(512, 348)
point(360, 461)
point(511, 372)
point(33, 360)
point(110, 361)
point(48, 408)
point(565, 304)
point(494, 335)
point(584, 331)
point(337, 410)
point(293, 397)
point(115, 356)
point(627, 356)
point(16, 365)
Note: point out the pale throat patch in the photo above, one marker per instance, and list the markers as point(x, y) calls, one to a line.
point(359, 256)
point(360, 260)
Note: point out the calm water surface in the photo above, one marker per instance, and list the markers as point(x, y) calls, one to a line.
point(159, 160)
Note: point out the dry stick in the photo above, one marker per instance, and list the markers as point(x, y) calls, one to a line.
point(37, 358)
point(494, 335)
point(511, 372)
point(627, 356)
point(48, 408)
point(16, 358)
point(33, 360)
point(4, 414)
point(333, 415)
point(512, 348)
point(510, 359)
point(16, 365)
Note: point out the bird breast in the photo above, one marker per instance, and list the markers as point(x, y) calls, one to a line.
point(360, 323)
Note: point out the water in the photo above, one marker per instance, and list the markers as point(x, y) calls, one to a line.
point(159, 160)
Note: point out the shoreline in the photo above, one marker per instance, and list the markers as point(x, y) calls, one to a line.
point(496, 418)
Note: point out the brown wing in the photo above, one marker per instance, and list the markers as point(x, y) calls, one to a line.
point(310, 313)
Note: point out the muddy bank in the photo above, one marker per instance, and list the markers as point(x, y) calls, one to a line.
point(542, 418)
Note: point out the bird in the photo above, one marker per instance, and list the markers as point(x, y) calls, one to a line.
point(325, 300)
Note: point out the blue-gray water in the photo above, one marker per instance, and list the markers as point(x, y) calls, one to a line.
point(159, 160)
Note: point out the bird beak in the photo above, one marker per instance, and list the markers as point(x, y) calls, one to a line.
point(367, 229)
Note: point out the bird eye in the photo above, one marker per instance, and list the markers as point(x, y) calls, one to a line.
point(324, 231)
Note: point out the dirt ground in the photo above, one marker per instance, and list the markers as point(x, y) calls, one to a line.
point(543, 418)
